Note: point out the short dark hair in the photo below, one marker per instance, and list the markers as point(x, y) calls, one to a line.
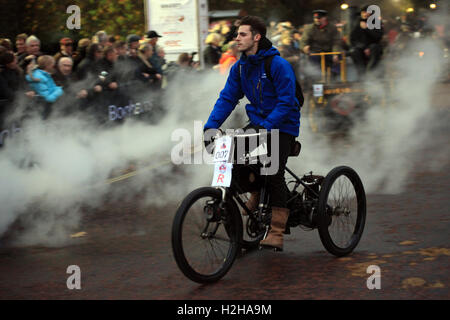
point(6, 58)
point(119, 44)
point(92, 49)
point(184, 57)
point(107, 50)
point(22, 36)
point(256, 24)
point(6, 43)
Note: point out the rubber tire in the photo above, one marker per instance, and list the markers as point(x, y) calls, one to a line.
point(326, 185)
point(177, 246)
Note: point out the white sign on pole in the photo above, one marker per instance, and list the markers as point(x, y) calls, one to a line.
point(183, 24)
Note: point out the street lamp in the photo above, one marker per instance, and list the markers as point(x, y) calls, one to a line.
point(409, 10)
point(344, 6)
point(433, 6)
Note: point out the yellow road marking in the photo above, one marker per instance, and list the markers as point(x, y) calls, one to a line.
point(408, 243)
point(412, 282)
point(194, 149)
point(437, 285)
point(136, 172)
point(78, 235)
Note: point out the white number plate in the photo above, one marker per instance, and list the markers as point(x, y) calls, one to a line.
point(222, 150)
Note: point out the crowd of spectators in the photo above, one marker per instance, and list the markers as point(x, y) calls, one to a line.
point(80, 75)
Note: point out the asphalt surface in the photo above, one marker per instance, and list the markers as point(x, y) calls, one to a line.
point(125, 253)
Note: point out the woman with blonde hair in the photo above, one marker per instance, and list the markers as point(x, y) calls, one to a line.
point(213, 51)
point(42, 83)
point(145, 71)
point(41, 80)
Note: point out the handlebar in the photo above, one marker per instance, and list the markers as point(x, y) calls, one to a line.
point(236, 134)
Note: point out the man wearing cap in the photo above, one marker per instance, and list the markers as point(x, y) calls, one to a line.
point(66, 49)
point(153, 36)
point(321, 36)
point(133, 41)
point(155, 60)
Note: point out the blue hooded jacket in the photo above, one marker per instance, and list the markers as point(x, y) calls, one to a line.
point(45, 87)
point(273, 104)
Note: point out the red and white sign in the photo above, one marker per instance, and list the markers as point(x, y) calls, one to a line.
point(318, 90)
point(222, 174)
point(183, 24)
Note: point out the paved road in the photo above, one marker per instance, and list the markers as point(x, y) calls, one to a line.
point(126, 254)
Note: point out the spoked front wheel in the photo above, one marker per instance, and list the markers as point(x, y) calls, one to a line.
point(341, 211)
point(206, 238)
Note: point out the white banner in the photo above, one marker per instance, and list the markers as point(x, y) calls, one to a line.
point(177, 21)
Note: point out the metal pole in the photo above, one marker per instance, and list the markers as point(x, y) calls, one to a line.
point(147, 22)
point(199, 36)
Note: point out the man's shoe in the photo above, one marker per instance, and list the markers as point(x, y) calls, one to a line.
point(252, 203)
point(274, 239)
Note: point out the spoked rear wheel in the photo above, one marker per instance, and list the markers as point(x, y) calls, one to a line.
point(206, 238)
point(341, 211)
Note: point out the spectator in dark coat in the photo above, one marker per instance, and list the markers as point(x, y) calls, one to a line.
point(366, 49)
point(155, 60)
point(80, 53)
point(133, 41)
point(87, 66)
point(145, 71)
point(32, 52)
point(5, 42)
point(11, 81)
point(105, 68)
point(158, 60)
point(63, 74)
point(75, 96)
point(20, 44)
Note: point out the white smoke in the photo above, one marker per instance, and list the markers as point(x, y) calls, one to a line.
point(52, 169)
point(384, 146)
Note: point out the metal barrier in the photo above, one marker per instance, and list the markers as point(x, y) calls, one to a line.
point(326, 72)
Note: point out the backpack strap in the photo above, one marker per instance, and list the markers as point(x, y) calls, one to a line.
point(298, 88)
point(267, 65)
